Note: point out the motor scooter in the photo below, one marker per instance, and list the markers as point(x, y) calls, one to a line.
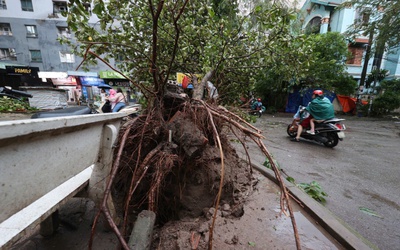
point(15, 94)
point(327, 132)
point(133, 109)
point(255, 109)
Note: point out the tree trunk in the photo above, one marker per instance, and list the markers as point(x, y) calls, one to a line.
point(198, 92)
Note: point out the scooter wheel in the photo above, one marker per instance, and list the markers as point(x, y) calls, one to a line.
point(292, 133)
point(333, 140)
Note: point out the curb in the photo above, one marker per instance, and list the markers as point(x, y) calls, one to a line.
point(337, 228)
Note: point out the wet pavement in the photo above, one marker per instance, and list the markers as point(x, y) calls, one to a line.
point(361, 175)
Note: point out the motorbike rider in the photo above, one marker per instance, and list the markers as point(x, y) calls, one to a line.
point(257, 104)
point(320, 109)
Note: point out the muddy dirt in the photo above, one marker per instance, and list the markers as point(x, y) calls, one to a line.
point(257, 225)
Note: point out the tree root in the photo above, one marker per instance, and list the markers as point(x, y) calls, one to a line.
point(145, 145)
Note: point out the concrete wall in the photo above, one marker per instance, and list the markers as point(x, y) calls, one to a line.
point(45, 161)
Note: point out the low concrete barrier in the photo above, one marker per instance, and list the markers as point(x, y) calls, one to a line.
point(43, 162)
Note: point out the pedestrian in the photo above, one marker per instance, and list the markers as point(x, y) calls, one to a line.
point(118, 100)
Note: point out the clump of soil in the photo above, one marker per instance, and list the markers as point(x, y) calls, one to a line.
point(197, 200)
point(183, 176)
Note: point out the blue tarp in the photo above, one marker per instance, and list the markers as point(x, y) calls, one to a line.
point(298, 98)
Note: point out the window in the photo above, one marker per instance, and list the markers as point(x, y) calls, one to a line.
point(362, 16)
point(356, 57)
point(67, 57)
point(31, 31)
point(5, 29)
point(3, 5)
point(314, 26)
point(59, 6)
point(8, 54)
point(36, 56)
point(26, 5)
point(64, 32)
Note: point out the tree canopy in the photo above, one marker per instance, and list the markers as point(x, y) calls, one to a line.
point(191, 37)
point(322, 67)
point(239, 48)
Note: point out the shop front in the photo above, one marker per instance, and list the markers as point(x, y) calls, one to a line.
point(17, 76)
point(61, 80)
point(116, 80)
point(84, 82)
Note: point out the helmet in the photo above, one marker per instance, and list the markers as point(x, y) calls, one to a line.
point(318, 92)
point(259, 99)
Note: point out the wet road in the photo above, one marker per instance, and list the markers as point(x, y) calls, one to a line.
point(363, 171)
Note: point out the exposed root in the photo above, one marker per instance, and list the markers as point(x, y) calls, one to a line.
point(168, 153)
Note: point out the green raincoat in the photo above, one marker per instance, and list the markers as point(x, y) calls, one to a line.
point(321, 108)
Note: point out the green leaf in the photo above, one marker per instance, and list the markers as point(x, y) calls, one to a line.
point(290, 179)
point(98, 8)
point(252, 244)
point(369, 212)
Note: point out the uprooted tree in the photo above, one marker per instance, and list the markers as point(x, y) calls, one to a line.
point(181, 143)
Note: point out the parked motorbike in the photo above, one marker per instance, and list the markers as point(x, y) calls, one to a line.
point(328, 132)
point(257, 112)
point(83, 110)
point(255, 109)
point(15, 94)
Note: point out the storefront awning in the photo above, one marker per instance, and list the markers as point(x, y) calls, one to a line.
point(82, 73)
point(4, 64)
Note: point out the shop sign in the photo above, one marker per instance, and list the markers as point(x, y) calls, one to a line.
point(118, 83)
point(110, 75)
point(82, 73)
point(91, 81)
point(70, 80)
point(17, 70)
point(44, 74)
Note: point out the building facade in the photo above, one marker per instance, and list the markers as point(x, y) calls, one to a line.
point(321, 16)
point(29, 46)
